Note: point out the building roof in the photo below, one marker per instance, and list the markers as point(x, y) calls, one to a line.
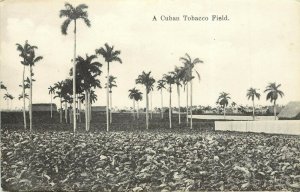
point(290, 111)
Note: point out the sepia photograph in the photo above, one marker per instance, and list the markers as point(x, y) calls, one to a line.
point(150, 95)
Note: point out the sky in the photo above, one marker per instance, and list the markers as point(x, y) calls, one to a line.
point(258, 44)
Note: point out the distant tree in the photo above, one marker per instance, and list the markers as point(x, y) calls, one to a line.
point(8, 97)
point(223, 101)
point(74, 14)
point(178, 78)
point(170, 80)
point(251, 94)
point(58, 87)
point(51, 91)
point(132, 95)
point(110, 55)
point(160, 86)
point(112, 83)
point(273, 92)
point(148, 81)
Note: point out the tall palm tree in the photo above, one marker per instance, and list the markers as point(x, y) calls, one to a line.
point(110, 55)
point(148, 81)
point(74, 14)
point(24, 54)
point(189, 64)
point(273, 92)
point(87, 73)
point(58, 86)
point(111, 84)
point(51, 91)
point(178, 78)
point(132, 93)
point(160, 86)
point(223, 100)
point(251, 94)
point(170, 79)
point(32, 60)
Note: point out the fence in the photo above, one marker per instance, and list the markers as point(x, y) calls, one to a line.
point(289, 127)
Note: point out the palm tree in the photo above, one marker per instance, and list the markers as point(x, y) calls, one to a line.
point(251, 94)
point(189, 64)
point(170, 79)
point(160, 86)
point(138, 97)
point(74, 14)
point(51, 91)
point(87, 72)
point(110, 55)
point(111, 84)
point(58, 86)
point(178, 78)
point(272, 94)
point(24, 54)
point(148, 81)
point(32, 59)
point(132, 93)
point(223, 100)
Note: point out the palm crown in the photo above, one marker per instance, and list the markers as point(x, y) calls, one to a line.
point(109, 54)
point(51, 90)
point(223, 99)
point(135, 94)
point(252, 93)
point(273, 91)
point(147, 80)
point(189, 65)
point(73, 14)
point(161, 84)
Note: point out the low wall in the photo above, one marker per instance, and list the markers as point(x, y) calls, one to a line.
point(289, 127)
point(233, 117)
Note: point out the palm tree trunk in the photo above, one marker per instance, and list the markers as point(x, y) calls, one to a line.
point(79, 110)
point(147, 115)
point(51, 104)
point(170, 107)
point(86, 110)
point(66, 112)
point(191, 83)
point(107, 99)
point(30, 102)
point(89, 109)
point(162, 106)
point(137, 109)
point(275, 109)
point(60, 112)
point(133, 115)
point(187, 104)
point(23, 93)
point(178, 93)
point(151, 105)
point(110, 107)
point(74, 81)
point(224, 108)
point(253, 109)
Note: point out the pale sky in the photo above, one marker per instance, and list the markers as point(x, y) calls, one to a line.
point(259, 44)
